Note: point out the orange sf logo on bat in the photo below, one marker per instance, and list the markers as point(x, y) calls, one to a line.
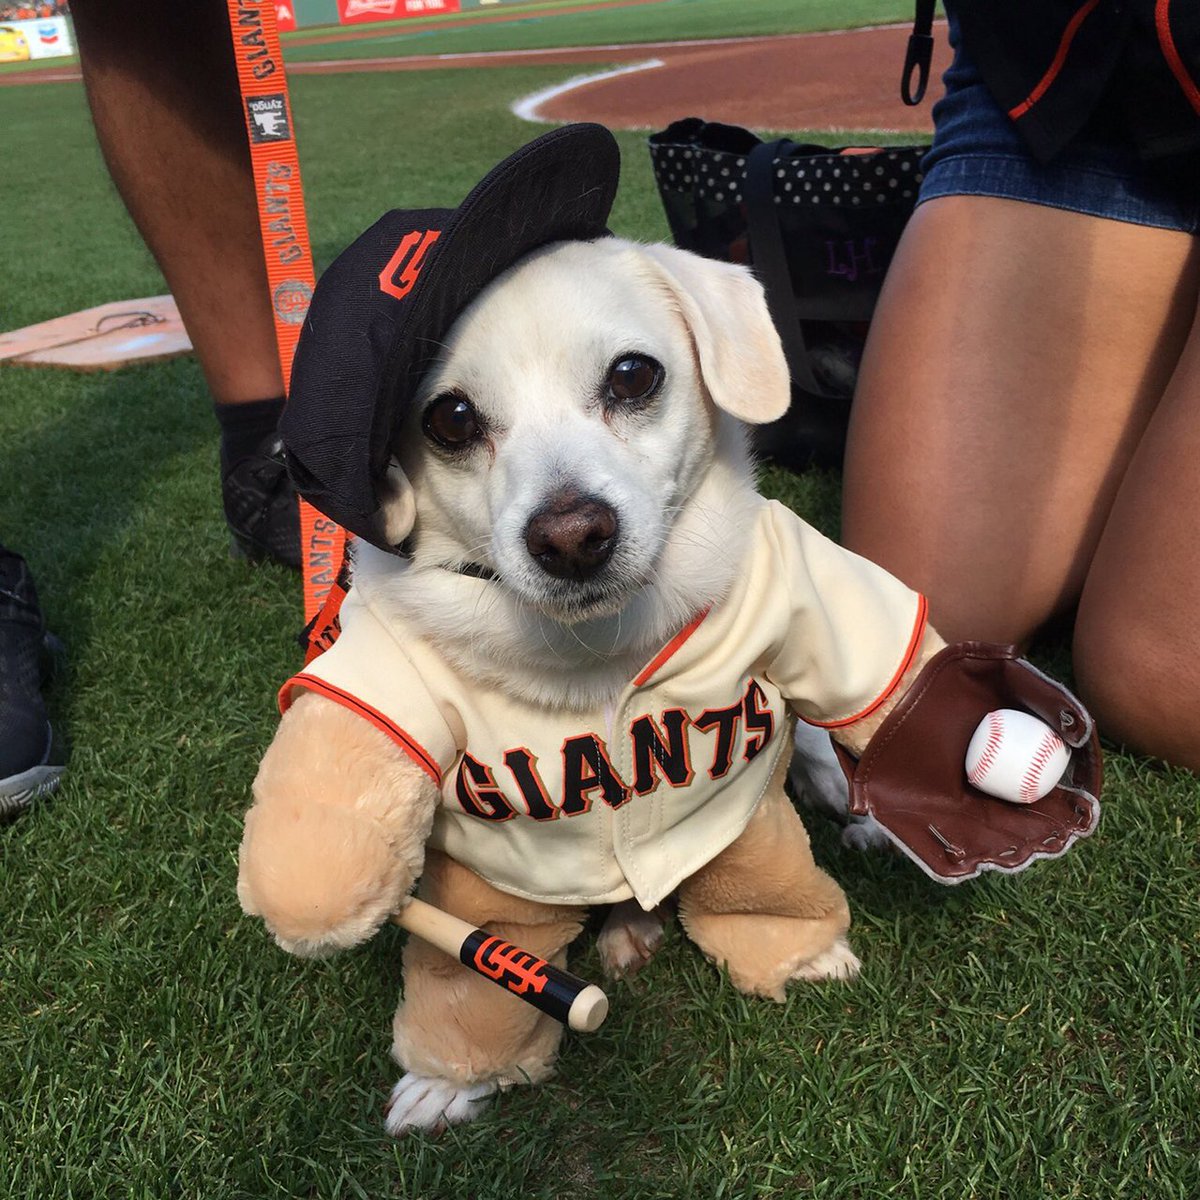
point(514, 968)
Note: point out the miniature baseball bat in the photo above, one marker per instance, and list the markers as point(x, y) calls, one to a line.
point(580, 1005)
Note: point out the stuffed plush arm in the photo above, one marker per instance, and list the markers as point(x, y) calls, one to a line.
point(336, 836)
point(856, 736)
point(818, 776)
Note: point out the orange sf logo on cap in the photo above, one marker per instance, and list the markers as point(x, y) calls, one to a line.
point(401, 272)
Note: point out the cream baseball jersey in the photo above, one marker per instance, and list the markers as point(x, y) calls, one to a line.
point(628, 800)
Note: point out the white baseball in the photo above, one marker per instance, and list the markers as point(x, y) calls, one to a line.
point(1014, 756)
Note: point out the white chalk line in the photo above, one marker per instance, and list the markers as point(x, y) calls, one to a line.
point(527, 107)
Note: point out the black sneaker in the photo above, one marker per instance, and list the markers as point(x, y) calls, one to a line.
point(261, 507)
point(30, 762)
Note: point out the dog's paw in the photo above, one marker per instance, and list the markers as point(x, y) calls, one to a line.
point(838, 962)
point(866, 834)
point(629, 938)
point(421, 1103)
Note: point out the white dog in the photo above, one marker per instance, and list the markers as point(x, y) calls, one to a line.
point(574, 488)
point(576, 639)
point(550, 361)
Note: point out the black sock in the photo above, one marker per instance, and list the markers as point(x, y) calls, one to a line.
point(244, 426)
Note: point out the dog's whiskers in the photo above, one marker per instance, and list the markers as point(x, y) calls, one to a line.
point(547, 641)
point(471, 553)
point(491, 598)
point(708, 538)
point(616, 638)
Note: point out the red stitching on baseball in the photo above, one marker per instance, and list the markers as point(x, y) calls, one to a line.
point(1046, 750)
point(991, 748)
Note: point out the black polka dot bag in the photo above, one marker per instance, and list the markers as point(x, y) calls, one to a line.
point(819, 225)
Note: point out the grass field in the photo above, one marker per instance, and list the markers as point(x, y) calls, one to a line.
point(1017, 1037)
point(669, 20)
point(553, 23)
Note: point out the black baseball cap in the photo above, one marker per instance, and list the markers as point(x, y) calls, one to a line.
point(381, 311)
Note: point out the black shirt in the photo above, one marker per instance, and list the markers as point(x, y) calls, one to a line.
point(1127, 69)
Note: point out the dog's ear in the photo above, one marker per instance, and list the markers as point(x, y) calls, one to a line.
point(398, 505)
point(741, 358)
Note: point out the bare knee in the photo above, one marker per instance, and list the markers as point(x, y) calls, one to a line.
point(1139, 679)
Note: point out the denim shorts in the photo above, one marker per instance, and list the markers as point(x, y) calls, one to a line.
point(976, 151)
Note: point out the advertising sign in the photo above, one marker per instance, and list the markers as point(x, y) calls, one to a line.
point(351, 12)
point(47, 37)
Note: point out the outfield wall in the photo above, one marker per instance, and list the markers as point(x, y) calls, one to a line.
point(314, 12)
point(301, 14)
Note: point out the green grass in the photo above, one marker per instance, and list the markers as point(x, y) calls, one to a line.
point(1016, 1037)
point(670, 20)
point(517, 10)
point(39, 64)
point(417, 27)
point(554, 24)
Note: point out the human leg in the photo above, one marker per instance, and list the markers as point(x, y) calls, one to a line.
point(1137, 633)
point(162, 87)
point(1015, 359)
point(164, 97)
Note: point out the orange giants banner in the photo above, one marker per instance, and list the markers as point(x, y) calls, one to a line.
point(350, 12)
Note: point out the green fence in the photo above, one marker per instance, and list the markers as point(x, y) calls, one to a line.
point(324, 12)
point(315, 12)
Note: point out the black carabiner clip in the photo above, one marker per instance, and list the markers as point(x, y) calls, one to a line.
point(918, 59)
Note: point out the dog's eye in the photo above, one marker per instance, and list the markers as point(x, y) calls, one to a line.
point(633, 377)
point(451, 421)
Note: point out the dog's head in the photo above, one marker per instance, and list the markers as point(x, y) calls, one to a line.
point(575, 412)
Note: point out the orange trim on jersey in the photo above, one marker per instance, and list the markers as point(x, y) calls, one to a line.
point(669, 649)
point(413, 749)
point(1056, 66)
point(910, 654)
point(1162, 22)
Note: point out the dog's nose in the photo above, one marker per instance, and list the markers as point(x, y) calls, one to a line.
point(572, 536)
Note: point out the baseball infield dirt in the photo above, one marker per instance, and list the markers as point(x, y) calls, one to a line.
point(841, 80)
